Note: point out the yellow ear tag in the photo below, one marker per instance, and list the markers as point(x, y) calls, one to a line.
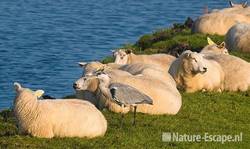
point(210, 41)
point(39, 93)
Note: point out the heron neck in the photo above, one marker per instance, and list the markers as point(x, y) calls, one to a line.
point(105, 90)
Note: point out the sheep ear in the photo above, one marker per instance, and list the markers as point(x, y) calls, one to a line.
point(113, 51)
point(128, 51)
point(244, 5)
point(222, 45)
point(17, 86)
point(82, 64)
point(231, 3)
point(210, 41)
point(39, 93)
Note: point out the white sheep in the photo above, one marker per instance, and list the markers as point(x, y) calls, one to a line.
point(125, 56)
point(149, 70)
point(91, 67)
point(238, 37)
point(166, 98)
point(218, 22)
point(213, 48)
point(56, 118)
point(193, 73)
point(153, 71)
point(236, 70)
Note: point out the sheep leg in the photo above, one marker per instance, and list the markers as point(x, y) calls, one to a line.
point(134, 115)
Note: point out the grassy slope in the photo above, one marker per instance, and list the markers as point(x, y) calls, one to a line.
point(225, 113)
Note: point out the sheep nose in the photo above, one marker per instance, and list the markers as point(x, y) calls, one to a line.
point(74, 85)
point(205, 69)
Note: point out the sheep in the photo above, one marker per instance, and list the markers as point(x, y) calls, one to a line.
point(140, 69)
point(218, 22)
point(243, 5)
point(194, 73)
point(90, 84)
point(148, 70)
point(236, 70)
point(238, 8)
point(56, 118)
point(91, 67)
point(238, 37)
point(125, 56)
point(166, 99)
point(214, 48)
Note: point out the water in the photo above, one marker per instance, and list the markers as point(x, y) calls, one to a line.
point(41, 41)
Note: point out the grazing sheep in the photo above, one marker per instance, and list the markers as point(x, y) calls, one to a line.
point(56, 118)
point(237, 72)
point(166, 99)
point(123, 56)
point(193, 73)
point(238, 38)
point(214, 48)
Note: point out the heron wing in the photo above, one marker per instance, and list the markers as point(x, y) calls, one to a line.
point(128, 95)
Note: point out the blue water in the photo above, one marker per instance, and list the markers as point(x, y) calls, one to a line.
point(41, 41)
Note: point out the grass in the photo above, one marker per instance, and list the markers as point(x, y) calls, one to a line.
point(215, 113)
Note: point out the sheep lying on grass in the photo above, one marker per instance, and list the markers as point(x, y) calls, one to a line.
point(148, 70)
point(166, 98)
point(56, 118)
point(90, 84)
point(220, 21)
point(238, 37)
point(91, 67)
point(123, 56)
point(151, 71)
point(193, 73)
point(236, 70)
point(213, 48)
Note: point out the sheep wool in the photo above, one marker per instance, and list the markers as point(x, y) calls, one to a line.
point(57, 118)
point(193, 73)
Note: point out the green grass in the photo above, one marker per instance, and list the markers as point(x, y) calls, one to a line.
point(215, 113)
point(171, 40)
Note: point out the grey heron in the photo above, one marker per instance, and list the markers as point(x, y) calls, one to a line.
point(122, 94)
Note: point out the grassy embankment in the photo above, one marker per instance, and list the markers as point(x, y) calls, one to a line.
point(215, 113)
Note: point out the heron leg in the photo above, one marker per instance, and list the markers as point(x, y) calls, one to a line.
point(134, 115)
point(122, 115)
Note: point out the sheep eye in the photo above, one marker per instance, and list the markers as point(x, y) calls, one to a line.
point(195, 60)
point(85, 79)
